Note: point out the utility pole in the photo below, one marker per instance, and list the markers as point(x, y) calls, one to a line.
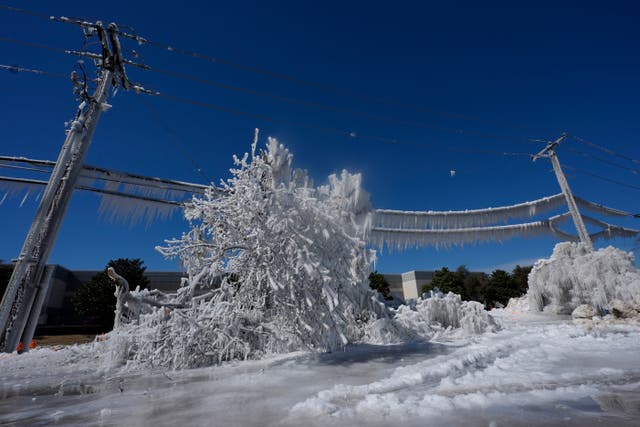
point(26, 285)
point(549, 151)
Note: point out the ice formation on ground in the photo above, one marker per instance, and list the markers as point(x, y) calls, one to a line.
point(435, 316)
point(440, 315)
point(539, 370)
point(519, 304)
point(574, 276)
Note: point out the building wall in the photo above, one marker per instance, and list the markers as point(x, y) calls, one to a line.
point(408, 285)
point(59, 308)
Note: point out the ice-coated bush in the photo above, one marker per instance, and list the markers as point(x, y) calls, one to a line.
point(274, 264)
point(574, 276)
point(438, 314)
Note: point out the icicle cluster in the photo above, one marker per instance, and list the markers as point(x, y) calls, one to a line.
point(132, 211)
point(148, 205)
point(575, 276)
point(605, 210)
point(403, 239)
point(9, 189)
point(274, 265)
point(386, 218)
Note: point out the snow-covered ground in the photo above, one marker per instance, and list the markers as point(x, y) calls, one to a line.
point(537, 370)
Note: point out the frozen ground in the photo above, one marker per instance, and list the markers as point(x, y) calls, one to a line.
point(538, 370)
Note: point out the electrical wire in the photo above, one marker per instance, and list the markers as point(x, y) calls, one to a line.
point(606, 150)
point(15, 69)
point(32, 44)
point(24, 11)
point(308, 83)
point(605, 161)
point(203, 81)
point(155, 114)
point(335, 131)
point(26, 168)
point(101, 174)
point(330, 130)
point(281, 76)
point(593, 175)
point(326, 107)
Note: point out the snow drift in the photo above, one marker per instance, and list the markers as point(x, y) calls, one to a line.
point(573, 276)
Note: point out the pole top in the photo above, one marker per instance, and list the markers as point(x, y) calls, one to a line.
point(549, 150)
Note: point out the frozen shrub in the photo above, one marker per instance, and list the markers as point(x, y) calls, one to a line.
point(274, 264)
point(574, 276)
point(440, 313)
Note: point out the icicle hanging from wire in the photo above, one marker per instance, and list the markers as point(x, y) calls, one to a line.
point(613, 232)
point(408, 238)
point(609, 231)
point(396, 239)
point(133, 210)
point(394, 219)
point(605, 210)
point(142, 185)
point(14, 188)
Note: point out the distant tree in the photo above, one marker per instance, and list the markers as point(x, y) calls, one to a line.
point(497, 288)
point(95, 300)
point(502, 286)
point(378, 282)
point(445, 280)
point(474, 285)
point(520, 277)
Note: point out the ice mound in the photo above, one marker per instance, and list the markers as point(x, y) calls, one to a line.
point(573, 276)
point(435, 316)
point(519, 304)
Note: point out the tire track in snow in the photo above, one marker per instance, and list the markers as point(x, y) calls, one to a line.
point(526, 362)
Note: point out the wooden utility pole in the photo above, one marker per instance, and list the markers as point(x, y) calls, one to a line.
point(549, 151)
point(26, 285)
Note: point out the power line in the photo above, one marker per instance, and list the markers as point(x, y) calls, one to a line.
point(605, 161)
point(304, 82)
point(326, 129)
point(606, 150)
point(203, 81)
point(334, 131)
point(277, 75)
point(176, 141)
point(593, 175)
point(15, 69)
point(102, 174)
point(24, 11)
point(326, 107)
point(32, 44)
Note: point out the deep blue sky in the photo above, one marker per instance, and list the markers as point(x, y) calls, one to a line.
point(501, 72)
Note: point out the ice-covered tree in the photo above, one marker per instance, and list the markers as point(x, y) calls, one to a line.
point(274, 264)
